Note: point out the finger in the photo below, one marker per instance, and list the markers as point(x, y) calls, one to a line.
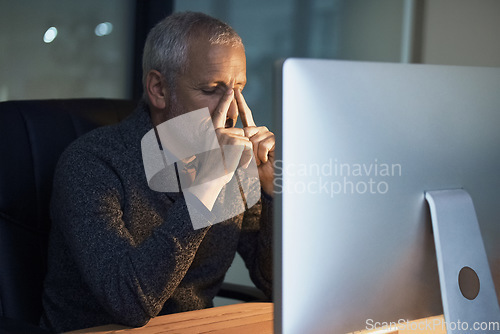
point(270, 156)
point(257, 160)
point(246, 158)
point(236, 140)
point(244, 110)
point(264, 147)
point(263, 142)
point(231, 157)
point(258, 133)
point(220, 114)
point(233, 131)
point(255, 147)
point(251, 131)
point(233, 150)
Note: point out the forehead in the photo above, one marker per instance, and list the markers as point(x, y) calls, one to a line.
point(215, 63)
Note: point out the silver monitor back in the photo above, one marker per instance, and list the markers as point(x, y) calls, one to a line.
point(360, 145)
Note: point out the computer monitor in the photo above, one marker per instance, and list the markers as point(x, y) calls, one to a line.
point(359, 145)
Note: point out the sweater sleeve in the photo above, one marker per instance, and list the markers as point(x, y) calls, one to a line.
point(255, 244)
point(131, 279)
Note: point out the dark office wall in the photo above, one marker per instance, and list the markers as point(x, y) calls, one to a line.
point(370, 30)
point(461, 32)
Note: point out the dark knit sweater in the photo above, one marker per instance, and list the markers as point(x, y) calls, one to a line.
point(121, 253)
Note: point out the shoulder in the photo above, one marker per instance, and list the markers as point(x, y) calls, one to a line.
point(98, 142)
point(115, 145)
point(87, 165)
point(106, 155)
point(96, 148)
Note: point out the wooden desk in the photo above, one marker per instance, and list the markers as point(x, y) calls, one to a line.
point(247, 318)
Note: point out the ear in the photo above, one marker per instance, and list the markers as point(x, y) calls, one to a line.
point(157, 90)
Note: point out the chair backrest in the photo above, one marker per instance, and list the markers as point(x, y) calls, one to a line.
point(33, 135)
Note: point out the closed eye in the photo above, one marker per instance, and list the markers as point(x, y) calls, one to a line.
point(209, 91)
point(219, 89)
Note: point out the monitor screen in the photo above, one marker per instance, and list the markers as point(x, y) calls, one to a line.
point(359, 145)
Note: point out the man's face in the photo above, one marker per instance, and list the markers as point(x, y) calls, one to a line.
point(211, 70)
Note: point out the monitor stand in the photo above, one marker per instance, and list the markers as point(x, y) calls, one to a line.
point(467, 289)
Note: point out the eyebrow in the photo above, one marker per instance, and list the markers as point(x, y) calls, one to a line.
point(224, 84)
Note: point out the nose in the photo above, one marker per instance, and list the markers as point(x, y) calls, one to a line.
point(232, 114)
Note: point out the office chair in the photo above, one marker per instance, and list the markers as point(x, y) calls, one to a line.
point(33, 134)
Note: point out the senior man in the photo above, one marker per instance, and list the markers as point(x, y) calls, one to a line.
point(122, 253)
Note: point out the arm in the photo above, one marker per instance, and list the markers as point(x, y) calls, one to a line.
point(131, 279)
point(255, 244)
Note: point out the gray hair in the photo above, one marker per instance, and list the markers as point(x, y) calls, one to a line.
point(167, 43)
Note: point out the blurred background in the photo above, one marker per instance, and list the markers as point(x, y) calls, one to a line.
point(92, 48)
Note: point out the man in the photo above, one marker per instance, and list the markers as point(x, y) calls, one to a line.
point(123, 253)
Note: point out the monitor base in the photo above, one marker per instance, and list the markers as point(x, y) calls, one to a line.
point(468, 294)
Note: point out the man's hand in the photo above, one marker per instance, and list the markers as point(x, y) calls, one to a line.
point(231, 137)
point(210, 175)
point(263, 143)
